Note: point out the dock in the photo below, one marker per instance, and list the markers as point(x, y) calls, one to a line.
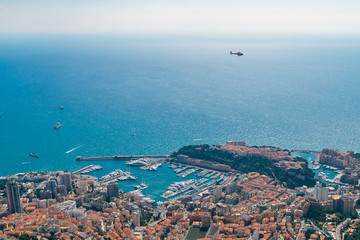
point(88, 169)
point(119, 157)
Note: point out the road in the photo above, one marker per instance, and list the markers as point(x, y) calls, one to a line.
point(339, 227)
point(300, 230)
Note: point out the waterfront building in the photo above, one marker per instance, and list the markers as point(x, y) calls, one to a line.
point(321, 193)
point(65, 179)
point(13, 197)
point(112, 191)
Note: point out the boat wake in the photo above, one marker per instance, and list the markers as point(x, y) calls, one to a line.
point(198, 139)
point(25, 163)
point(71, 150)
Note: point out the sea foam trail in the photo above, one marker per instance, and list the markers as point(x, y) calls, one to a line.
point(73, 149)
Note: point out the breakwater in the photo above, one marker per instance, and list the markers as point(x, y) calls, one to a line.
point(305, 151)
point(119, 157)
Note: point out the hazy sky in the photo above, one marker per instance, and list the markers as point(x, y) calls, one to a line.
point(167, 16)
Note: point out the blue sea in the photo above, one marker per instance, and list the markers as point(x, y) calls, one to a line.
point(171, 91)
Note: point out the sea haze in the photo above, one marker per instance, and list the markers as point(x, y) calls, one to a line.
point(301, 94)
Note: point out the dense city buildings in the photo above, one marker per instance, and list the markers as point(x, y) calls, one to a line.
point(236, 205)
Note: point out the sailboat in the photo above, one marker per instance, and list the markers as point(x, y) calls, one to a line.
point(142, 185)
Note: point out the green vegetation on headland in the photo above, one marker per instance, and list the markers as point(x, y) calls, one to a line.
point(290, 177)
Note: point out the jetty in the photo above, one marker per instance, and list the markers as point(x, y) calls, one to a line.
point(119, 157)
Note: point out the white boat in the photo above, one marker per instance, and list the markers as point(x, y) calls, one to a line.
point(137, 162)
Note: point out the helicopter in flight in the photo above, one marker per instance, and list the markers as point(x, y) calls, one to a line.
point(238, 53)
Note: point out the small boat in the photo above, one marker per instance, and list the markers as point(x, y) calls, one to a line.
point(143, 186)
point(61, 107)
point(57, 125)
point(34, 155)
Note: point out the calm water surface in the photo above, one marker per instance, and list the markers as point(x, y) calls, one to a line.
point(171, 92)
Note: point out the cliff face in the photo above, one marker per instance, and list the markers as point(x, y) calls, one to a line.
point(337, 159)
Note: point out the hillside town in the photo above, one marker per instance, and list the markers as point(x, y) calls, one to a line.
point(65, 205)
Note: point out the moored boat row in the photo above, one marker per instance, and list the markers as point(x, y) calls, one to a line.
point(88, 169)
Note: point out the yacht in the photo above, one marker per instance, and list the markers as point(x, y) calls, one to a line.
point(34, 155)
point(57, 125)
point(137, 162)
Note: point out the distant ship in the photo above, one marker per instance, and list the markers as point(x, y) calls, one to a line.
point(61, 107)
point(57, 125)
point(238, 53)
point(34, 155)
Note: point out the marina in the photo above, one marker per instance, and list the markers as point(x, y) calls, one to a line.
point(195, 180)
point(179, 187)
point(202, 173)
point(178, 170)
point(88, 169)
point(215, 175)
point(328, 174)
point(188, 172)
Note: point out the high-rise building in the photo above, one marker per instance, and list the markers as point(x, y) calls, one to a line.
point(51, 185)
point(230, 188)
point(136, 218)
point(13, 197)
point(112, 191)
point(61, 189)
point(206, 220)
point(217, 192)
point(346, 205)
point(65, 179)
point(321, 193)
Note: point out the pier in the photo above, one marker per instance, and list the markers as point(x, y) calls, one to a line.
point(119, 157)
point(88, 169)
